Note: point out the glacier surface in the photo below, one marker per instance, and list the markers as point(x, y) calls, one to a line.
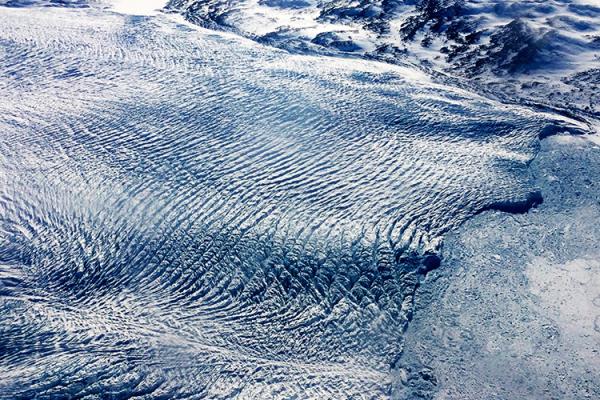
point(187, 213)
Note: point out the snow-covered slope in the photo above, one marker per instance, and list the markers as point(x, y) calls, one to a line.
point(546, 52)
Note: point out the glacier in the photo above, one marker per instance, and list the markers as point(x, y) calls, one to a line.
point(195, 203)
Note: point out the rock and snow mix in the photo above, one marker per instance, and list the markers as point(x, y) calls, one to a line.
point(546, 53)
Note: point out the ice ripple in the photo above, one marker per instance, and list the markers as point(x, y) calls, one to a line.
point(185, 214)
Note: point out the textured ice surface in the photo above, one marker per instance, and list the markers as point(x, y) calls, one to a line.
point(186, 214)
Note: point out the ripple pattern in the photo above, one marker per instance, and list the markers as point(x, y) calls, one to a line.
point(184, 214)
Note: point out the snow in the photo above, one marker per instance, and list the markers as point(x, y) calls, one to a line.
point(137, 7)
point(562, 40)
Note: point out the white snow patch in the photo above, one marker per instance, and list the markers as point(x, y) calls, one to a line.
point(570, 293)
point(137, 7)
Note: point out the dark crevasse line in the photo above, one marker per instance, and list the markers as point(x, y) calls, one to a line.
point(518, 206)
